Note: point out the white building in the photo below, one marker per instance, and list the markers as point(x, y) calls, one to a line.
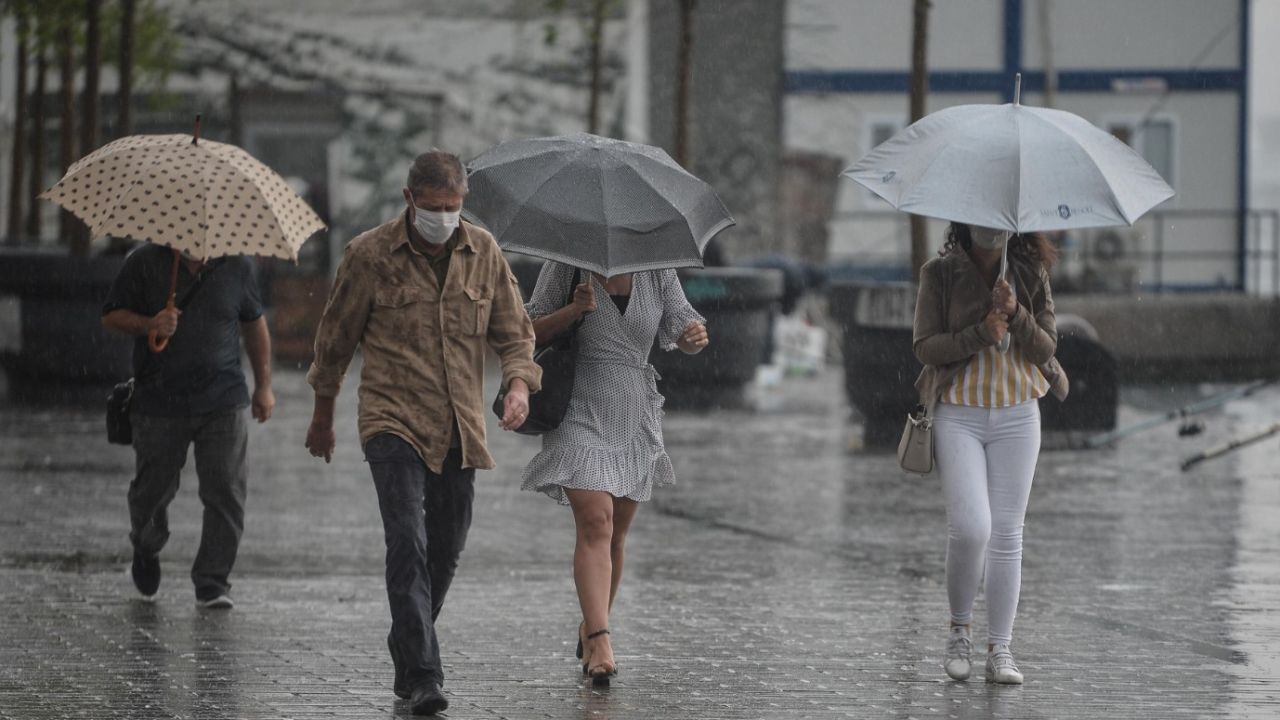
point(1168, 76)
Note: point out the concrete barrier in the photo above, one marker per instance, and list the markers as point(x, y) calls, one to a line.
point(1185, 338)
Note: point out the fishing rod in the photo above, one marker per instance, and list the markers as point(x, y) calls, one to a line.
point(1229, 446)
point(1182, 413)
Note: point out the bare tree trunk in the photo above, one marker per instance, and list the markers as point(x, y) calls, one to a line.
point(919, 95)
point(37, 141)
point(89, 105)
point(67, 138)
point(124, 97)
point(236, 120)
point(684, 81)
point(597, 41)
point(19, 131)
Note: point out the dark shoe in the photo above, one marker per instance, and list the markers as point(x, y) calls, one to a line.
point(401, 686)
point(428, 700)
point(218, 602)
point(146, 573)
point(600, 673)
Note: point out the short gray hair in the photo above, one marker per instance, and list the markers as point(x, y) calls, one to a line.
point(437, 170)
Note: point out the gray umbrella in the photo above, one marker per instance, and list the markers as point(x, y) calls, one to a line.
point(604, 205)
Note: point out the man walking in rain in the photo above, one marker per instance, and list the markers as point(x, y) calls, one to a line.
point(423, 295)
point(192, 393)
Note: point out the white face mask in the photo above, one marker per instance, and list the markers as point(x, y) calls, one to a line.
point(436, 227)
point(988, 238)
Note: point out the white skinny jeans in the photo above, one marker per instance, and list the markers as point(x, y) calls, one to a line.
point(986, 459)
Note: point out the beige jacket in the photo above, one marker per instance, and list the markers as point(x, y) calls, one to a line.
point(424, 346)
point(953, 300)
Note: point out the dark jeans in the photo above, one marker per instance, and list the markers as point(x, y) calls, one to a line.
point(160, 446)
point(425, 518)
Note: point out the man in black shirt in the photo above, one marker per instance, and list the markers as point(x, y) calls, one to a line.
point(191, 393)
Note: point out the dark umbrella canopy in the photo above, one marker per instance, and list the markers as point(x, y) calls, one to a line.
point(604, 205)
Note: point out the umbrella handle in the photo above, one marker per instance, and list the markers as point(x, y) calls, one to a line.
point(154, 341)
point(1005, 341)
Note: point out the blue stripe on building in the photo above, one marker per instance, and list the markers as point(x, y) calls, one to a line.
point(983, 81)
point(1012, 46)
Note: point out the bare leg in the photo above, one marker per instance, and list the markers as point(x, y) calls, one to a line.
point(592, 570)
point(624, 511)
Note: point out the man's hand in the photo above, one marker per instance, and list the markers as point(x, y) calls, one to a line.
point(694, 338)
point(165, 322)
point(515, 409)
point(264, 401)
point(320, 436)
point(321, 439)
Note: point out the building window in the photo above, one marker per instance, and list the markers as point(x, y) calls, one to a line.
point(1152, 138)
point(879, 129)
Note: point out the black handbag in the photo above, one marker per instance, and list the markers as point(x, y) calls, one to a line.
point(558, 360)
point(119, 430)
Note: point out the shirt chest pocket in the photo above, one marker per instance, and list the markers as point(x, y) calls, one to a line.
point(471, 311)
point(406, 311)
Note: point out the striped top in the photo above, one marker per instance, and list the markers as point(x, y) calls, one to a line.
point(993, 379)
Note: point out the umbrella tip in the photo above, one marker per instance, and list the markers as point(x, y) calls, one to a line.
point(195, 137)
point(1017, 88)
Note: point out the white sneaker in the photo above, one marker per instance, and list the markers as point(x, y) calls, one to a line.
point(1000, 666)
point(959, 647)
point(222, 602)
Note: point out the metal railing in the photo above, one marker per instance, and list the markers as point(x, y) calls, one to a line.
point(1173, 250)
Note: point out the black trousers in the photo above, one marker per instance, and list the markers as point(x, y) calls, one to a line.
point(160, 447)
point(425, 519)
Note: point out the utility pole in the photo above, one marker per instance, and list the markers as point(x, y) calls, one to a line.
point(919, 95)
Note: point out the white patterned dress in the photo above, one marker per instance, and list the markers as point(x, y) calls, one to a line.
point(611, 435)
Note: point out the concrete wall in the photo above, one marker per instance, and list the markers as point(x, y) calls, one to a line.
point(1190, 338)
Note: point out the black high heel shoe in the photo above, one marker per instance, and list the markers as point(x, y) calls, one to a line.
point(601, 678)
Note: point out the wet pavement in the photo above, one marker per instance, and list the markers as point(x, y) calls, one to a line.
point(783, 577)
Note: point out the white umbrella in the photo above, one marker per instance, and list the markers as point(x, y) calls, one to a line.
point(1013, 168)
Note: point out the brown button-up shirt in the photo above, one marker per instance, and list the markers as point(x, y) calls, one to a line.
point(423, 345)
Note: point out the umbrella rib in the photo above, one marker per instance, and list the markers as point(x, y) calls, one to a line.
point(604, 213)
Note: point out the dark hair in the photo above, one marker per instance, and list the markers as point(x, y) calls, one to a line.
point(437, 170)
point(1033, 248)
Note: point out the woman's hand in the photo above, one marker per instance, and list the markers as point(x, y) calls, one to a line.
point(1002, 299)
point(584, 298)
point(694, 338)
point(995, 326)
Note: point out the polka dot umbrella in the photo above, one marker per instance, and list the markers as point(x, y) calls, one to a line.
point(204, 198)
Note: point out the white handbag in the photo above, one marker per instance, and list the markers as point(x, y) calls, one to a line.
point(915, 449)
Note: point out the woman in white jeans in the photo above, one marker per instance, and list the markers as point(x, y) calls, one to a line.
point(984, 397)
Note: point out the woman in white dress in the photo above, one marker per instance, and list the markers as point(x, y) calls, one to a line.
point(606, 456)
